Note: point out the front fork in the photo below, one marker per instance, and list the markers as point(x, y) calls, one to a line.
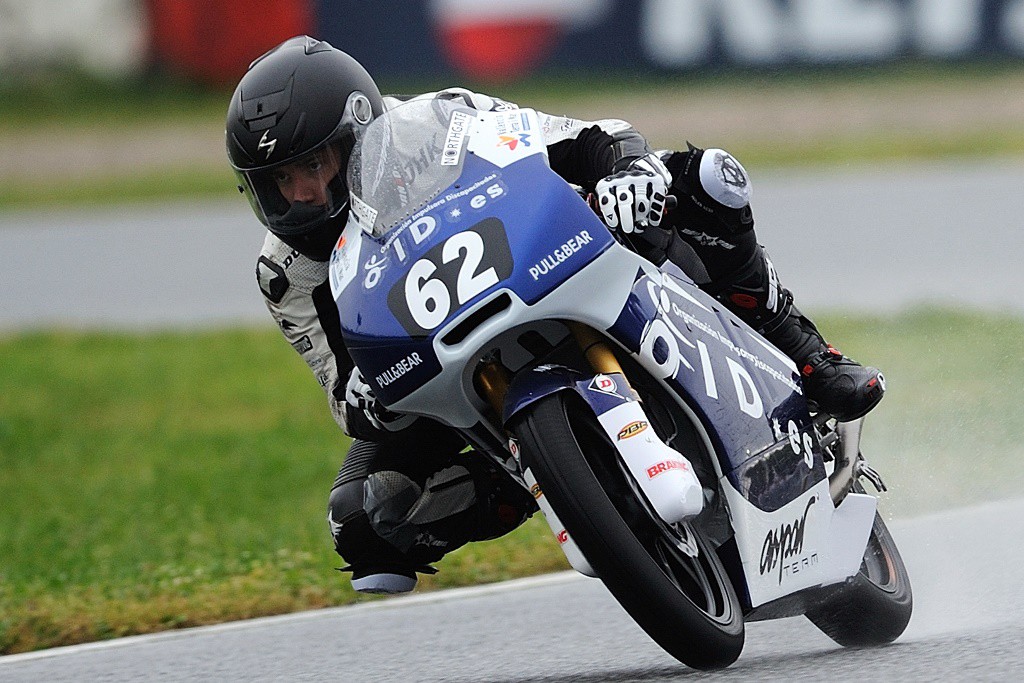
point(665, 477)
point(493, 380)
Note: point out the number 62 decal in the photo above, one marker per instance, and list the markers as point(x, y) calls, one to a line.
point(450, 275)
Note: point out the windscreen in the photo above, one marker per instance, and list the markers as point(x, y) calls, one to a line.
point(404, 159)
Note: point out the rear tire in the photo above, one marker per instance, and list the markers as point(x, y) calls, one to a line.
point(686, 604)
point(873, 607)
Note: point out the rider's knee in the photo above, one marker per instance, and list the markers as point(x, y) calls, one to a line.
point(713, 189)
point(422, 516)
point(376, 566)
point(400, 514)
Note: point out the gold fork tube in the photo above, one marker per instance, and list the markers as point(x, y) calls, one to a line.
point(595, 349)
point(492, 380)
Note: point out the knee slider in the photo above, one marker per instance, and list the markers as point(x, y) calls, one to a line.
point(376, 566)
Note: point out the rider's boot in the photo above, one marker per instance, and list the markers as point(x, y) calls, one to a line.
point(834, 384)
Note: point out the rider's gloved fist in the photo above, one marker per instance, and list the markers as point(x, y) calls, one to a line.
point(633, 199)
point(365, 408)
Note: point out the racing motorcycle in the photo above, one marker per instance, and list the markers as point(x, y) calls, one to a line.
point(669, 446)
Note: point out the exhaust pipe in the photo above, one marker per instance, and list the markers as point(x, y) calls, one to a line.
point(841, 480)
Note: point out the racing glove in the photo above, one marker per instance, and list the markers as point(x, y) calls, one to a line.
point(634, 198)
point(365, 413)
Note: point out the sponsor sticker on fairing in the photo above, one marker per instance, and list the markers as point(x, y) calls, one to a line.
point(560, 255)
point(783, 548)
point(365, 214)
point(451, 153)
point(605, 385)
point(399, 369)
point(344, 261)
point(666, 466)
point(632, 429)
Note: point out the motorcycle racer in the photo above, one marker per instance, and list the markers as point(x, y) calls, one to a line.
point(291, 125)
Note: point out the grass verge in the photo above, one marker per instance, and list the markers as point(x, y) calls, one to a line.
point(159, 481)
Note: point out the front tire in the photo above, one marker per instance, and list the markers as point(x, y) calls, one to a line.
point(873, 607)
point(683, 599)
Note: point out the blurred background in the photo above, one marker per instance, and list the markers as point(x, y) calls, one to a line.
point(212, 41)
point(165, 457)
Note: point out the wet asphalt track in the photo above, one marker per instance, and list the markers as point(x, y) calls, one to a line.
point(965, 567)
point(869, 239)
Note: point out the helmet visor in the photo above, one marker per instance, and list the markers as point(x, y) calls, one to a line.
point(295, 197)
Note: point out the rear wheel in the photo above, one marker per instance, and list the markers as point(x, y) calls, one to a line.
point(873, 607)
point(667, 577)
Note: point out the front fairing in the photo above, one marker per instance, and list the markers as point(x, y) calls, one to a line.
point(396, 290)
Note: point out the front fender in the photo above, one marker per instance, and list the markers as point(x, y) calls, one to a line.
point(600, 392)
point(664, 475)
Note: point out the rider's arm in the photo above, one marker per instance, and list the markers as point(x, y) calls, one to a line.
point(298, 296)
point(582, 152)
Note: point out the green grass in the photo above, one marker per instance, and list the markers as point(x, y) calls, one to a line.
point(163, 480)
point(146, 186)
point(167, 480)
point(950, 430)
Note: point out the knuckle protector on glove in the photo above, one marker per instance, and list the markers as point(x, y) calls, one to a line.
point(605, 190)
point(654, 187)
point(624, 206)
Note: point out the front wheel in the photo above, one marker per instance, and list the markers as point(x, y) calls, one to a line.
point(667, 577)
point(873, 607)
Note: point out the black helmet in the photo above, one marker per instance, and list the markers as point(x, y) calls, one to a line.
point(291, 125)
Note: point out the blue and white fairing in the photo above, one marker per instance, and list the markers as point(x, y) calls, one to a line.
point(500, 221)
point(460, 232)
point(497, 221)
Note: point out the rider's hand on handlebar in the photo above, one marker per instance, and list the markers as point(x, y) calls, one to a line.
point(362, 401)
point(633, 199)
